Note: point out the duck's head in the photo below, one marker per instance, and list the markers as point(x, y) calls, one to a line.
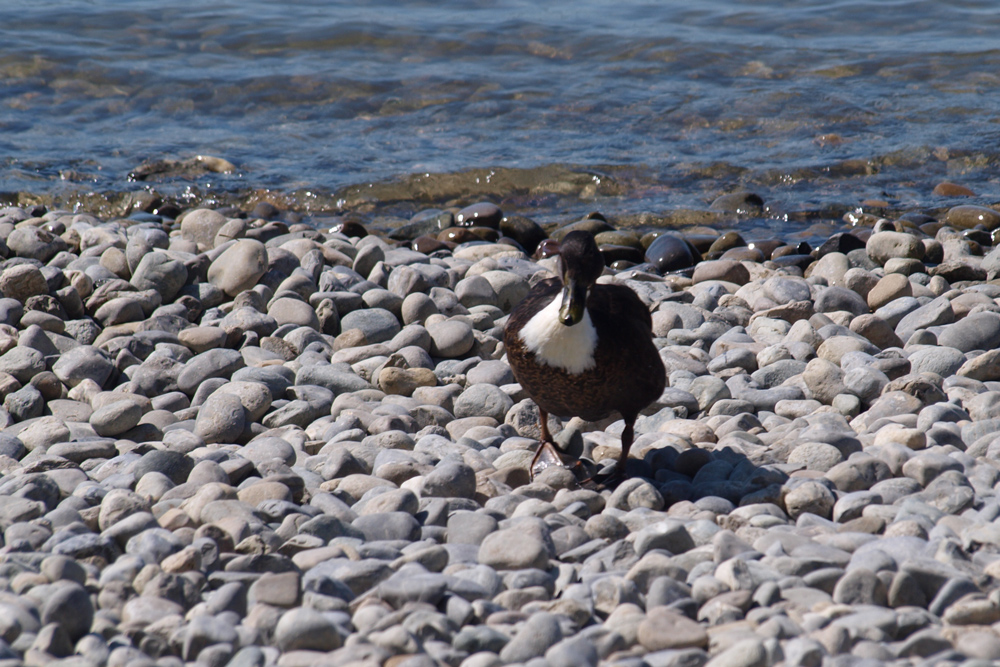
point(582, 264)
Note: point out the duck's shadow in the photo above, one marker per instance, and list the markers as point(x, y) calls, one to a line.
point(737, 469)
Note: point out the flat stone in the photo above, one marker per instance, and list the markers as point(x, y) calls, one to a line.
point(978, 331)
point(967, 216)
point(116, 418)
point(664, 629)
point(288, 310)
point(71, 608)
point(935, 313)
point(23, 363)
point(377, 324)
point(450, 480)
point(513, 549)
point(882, 246)
point(217, 363)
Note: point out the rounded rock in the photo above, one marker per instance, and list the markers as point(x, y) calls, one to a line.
point(378, 324)
point(810, 498)
point(23, 281)
point(116, 418)
point(239, 267)
point(158, 271)
point(71, 608)
point(288, 310)
point(883, 246)
point(968, 216)
point(450, 480)
point(221, 418)
point(663, 629)
point(305, 629)
point(483, 400)
point(450, 339)
point(513, 549)
point(201, 226)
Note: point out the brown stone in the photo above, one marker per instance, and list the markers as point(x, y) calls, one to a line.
point(348, 339)
point(665, 629)
point(985, 367)
point(889, 288)
point(876, 330)
point(403, 381)
point(264, 490)
point(967, 217)
point(728, 270)
point(185, 560)
point(947, 189)
point(202, 339)
point(789, 312)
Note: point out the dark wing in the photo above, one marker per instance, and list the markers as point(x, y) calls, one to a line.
point(625, 331)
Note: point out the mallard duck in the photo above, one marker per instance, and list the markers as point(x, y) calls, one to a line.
point(583, 349)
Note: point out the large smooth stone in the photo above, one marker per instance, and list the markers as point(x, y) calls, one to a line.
point(239, 267)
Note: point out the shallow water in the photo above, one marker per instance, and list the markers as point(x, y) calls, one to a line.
point(627, 107)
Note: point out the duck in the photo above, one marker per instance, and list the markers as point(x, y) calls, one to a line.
point(583, 349)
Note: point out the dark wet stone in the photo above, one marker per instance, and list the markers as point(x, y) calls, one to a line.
point(742, 203)
point(593, 225)
point(613, 253)
point(483, 214)
point(456, 235)
point(967, 216)
point(525, 231)
point(349, 228)
point(843, 242)
point(727, 241)
point(670, 253)
point(428, 244)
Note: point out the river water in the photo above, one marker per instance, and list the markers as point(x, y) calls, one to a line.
point(642, 110)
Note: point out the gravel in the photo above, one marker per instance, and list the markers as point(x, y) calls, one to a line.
point(235, 443)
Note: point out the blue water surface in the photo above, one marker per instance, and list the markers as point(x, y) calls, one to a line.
point(808, 103)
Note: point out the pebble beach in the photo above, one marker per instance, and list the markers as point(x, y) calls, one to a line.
point(230, 439)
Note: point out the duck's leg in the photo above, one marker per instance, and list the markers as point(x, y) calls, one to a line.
point(545, 445)
point(628, 435)
point(543, 424)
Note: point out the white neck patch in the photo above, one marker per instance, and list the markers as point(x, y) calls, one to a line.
point(557, 345)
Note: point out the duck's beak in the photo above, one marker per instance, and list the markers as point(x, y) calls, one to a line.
point(574, 300)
